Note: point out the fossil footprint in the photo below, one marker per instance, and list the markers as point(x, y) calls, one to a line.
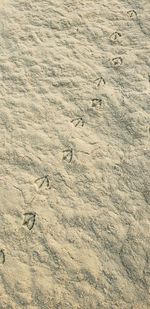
point(67, 155)
point(40, 181)
point(132, 13)
point(77, 121)
point(117, 61)
point(29, 219)
point(96, 103)
point(100, 81)
point(115, 36)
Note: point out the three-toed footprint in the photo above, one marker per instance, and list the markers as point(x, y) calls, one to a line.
point(67, 155)
point(115, 36)
point(29, 219)
point(117, 61)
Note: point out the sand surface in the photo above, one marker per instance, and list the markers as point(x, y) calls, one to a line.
point(74, 154)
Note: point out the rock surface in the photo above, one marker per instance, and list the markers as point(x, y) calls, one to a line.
point(74, 154)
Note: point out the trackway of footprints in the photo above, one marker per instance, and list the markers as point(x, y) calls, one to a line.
point(29, 218)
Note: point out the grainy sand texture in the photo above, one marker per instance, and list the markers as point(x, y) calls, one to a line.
point(74, 154)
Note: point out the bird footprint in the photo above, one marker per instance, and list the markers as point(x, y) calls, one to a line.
point(40, 181)
point(67, 155)
point(132, 14)
point(96, 103)
point(78, 121)
point(115, 36)
point(117, 61)
point(29, 220)
point(100, 81)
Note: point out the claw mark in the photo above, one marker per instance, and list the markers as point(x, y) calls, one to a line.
point(117, 61)
point(132, 13)
point(43, 179)
point(100, 81)
point(68, 154)
point(96, 103)
point(2, 257)
point(77, 121)
point(29, 220)
point(115, 36)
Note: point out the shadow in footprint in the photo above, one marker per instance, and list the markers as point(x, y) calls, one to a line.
point(2, 257)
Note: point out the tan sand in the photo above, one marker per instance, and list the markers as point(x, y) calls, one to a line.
point(74, 154)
